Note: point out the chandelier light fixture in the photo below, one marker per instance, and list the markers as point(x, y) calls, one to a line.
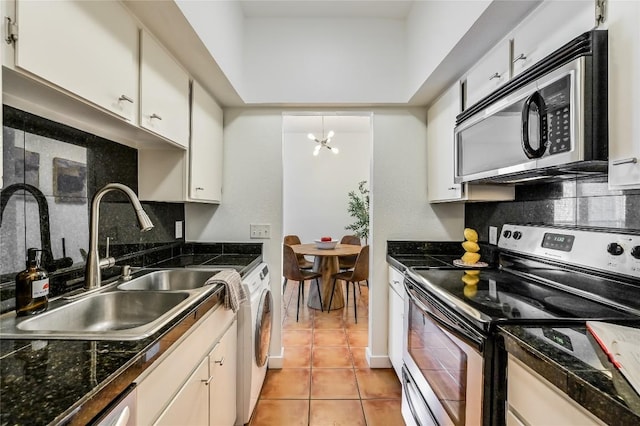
point(324, 142)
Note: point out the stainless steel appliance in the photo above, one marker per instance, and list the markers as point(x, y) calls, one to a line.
point(454, 368)
point(549, 122)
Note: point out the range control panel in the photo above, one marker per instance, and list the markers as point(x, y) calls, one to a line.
point(606, 251)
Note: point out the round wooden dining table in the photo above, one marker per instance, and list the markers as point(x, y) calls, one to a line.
point(326, 262)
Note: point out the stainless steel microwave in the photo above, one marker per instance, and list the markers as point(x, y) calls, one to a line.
point(550, 122)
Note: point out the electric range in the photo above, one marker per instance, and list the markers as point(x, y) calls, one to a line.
point(454, 372)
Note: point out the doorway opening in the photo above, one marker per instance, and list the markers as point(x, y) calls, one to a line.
point(316, 187)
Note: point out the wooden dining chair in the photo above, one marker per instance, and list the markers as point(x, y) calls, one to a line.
point(359, 273)
point(291, 271)
point(348, 262)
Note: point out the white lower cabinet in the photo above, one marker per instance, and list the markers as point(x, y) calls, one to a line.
point(191, 405)
point(396, 319)
point(532, 400)
point(195, 382)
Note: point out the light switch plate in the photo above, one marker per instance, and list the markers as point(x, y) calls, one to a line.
point(260, 230)
point(179, 229)
point(493, 235)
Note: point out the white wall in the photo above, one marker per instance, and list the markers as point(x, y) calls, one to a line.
point(324, 60)
point(315, 188)
point(431, 34)
point(252, 192)
point(220, 26)
point(399, 208)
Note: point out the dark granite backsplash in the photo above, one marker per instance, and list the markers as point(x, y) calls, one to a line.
point(574, 202)
point(69, 166)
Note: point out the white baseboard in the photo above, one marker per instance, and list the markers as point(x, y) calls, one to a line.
point(379, 361)
point(276, 361)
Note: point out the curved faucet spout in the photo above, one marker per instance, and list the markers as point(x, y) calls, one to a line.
point(93, 275)
point(43, 212)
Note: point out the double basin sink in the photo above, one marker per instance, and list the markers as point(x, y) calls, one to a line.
point(124, 310)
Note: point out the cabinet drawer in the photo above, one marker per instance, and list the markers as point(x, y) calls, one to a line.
point(538, 402)
point(396, 279)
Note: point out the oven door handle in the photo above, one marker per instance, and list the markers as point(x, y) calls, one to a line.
point(458, 330)
point(411, 393)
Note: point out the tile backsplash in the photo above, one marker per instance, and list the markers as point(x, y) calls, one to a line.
point(573, 202)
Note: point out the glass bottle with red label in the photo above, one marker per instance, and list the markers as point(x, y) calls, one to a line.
point(32, 286)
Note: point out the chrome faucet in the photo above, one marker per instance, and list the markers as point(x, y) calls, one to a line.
point(93, 270)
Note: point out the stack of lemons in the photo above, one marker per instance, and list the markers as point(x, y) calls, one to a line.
point(471, 247)
point(470, 257)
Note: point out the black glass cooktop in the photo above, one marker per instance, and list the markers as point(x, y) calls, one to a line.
point(491, 296)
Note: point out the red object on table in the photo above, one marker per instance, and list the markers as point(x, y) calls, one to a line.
point(326, 239)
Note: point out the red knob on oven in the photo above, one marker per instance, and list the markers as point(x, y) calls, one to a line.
point(615, 249)
point(635, 252)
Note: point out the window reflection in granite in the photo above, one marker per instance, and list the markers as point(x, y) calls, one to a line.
point(36, 160)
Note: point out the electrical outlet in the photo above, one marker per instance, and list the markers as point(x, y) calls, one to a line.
point(493, 235)
point(260, 230)
point(178, 229)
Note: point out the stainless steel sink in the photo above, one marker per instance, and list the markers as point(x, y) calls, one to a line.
point(113, 313)
point(170, 280)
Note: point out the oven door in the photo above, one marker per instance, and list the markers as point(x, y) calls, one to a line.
point(444, 360)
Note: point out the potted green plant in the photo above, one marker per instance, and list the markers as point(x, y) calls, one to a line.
point(359, 210)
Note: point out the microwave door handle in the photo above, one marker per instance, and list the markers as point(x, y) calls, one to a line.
point(537, 100)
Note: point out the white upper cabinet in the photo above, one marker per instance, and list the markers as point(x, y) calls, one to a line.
point(194, 175)
point(623, 21)
point(164, 92)
point(548, 27)
point(491, 72)
point(441, 121)
point(89, 48)
point(205, 182)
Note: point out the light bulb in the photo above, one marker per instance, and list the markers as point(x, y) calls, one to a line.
point(316, 150)
point(335, 150)
point(330, 134)
point(310, 136)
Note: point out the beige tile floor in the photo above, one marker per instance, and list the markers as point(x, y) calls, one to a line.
point(325, 379)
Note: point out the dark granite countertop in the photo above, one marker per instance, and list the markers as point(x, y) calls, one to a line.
point(71, 381)
point(583, 373)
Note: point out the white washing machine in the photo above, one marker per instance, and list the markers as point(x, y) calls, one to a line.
point(255, 317)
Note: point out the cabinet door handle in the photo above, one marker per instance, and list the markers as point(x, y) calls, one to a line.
point(199, 188)
point(496, 75)
point(521, 57)
point(206, 382)
point(452, 188)
point(154, 115)
point(632, 160)
point(125, 98)
point(220, 361)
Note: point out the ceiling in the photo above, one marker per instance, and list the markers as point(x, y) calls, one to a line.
point(389, 9)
